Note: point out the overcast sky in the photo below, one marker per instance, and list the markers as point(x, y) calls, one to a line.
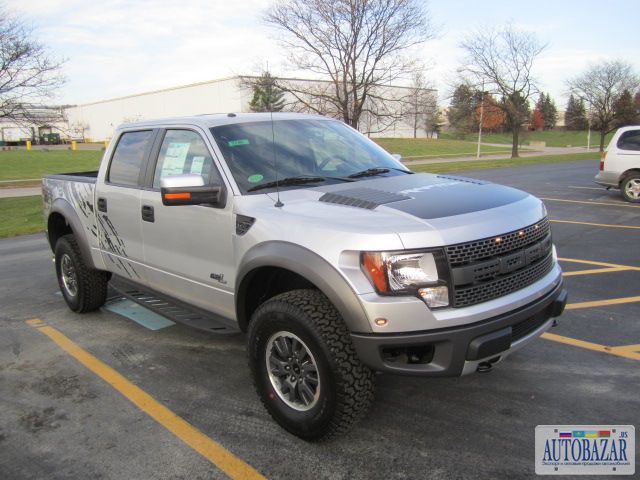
point(122, 47)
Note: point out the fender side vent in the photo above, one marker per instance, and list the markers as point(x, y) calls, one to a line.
point(367, 198)
point(243, 224)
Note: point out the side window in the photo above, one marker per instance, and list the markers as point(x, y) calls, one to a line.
point(184, 151)
point(128, 158)
point(629, 140)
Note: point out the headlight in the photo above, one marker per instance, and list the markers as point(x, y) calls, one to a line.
point(420, 273)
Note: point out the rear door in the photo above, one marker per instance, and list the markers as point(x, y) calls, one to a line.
point(188, 249)
point(628, 150)
point(118, 204)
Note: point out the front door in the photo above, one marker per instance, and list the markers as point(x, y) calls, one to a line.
point(188, 249)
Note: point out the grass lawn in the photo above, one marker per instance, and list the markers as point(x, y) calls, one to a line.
point(21, 215)
point(509, 162)
point(553, 138)
point(20, 164)
point(429, 147)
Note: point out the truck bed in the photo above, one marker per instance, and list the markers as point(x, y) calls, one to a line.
point(86, 177)
point(72, 196)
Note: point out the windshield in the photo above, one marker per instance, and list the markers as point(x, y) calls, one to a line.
point(303, 148)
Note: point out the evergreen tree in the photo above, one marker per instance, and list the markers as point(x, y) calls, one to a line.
point(267, 97)
point(625, 110)
point(549, 111)
point(461, 113)
point(516, 107)
point(575, 117)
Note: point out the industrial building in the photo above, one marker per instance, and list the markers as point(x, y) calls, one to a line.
point(96, 121)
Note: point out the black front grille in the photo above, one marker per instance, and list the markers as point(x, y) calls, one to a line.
point(482, 292)
point(465, 253)
point(493, 267)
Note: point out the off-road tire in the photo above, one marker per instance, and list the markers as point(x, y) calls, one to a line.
point(624, 186)
point(346, 386)
point(90, 284)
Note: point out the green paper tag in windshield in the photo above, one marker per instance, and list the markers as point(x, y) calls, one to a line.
point(255, 178)
point(235, 143)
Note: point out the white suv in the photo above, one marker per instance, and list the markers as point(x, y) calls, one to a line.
point(620, 163)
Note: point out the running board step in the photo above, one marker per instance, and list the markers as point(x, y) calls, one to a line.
point(172, 309)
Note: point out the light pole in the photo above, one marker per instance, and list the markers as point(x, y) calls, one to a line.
point(481, 115)
point(589, 130)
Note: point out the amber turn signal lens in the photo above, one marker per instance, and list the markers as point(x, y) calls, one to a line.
point(374, 268)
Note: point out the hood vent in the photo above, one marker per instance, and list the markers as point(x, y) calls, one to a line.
point(367, 198)
point(462, 179)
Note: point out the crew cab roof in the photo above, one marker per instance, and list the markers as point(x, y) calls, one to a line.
point(213, 120)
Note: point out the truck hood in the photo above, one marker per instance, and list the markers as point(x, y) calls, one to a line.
point(423, 209)
point(424, 196)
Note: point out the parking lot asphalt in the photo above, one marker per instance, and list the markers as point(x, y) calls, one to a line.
point(93, 407)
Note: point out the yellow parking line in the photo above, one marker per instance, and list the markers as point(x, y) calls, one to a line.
point(594, 270)
point(222, 458)
point(602, 303)
point(617, 351)
point(609, 204)
point(605, 225)
point(599, 264)
point(627, 348)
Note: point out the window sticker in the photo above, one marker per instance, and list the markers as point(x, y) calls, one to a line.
point(196, 165)
point(235, 143)
point(174, 158)
point(255, 178)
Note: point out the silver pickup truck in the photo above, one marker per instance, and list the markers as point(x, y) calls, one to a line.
point(332, 257)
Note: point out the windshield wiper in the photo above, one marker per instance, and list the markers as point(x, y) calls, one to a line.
point(288, 181)
point(369, 172)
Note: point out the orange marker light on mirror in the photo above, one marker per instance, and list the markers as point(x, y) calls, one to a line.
point(177, 196)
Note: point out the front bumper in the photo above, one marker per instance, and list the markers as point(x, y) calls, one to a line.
point(459, 350)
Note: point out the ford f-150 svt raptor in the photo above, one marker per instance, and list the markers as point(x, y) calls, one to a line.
point(335, 259)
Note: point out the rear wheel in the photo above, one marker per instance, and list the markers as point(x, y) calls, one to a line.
point(304, 366)
point(630, 187)
point(83, 288)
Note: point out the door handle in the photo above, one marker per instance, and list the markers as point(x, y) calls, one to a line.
point(147, 213)
point(102, 204)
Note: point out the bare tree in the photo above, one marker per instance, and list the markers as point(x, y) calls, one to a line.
point(503, 60)
point(358, 45)
point(420, 105)
point(600, 86)
point(27, 74)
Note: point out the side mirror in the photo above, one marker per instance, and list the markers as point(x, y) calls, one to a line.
point(190, 189)
point(397, 156)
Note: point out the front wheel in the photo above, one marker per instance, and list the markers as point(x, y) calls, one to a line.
point(304, 366)
point(630, 187)
point(83, 288)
